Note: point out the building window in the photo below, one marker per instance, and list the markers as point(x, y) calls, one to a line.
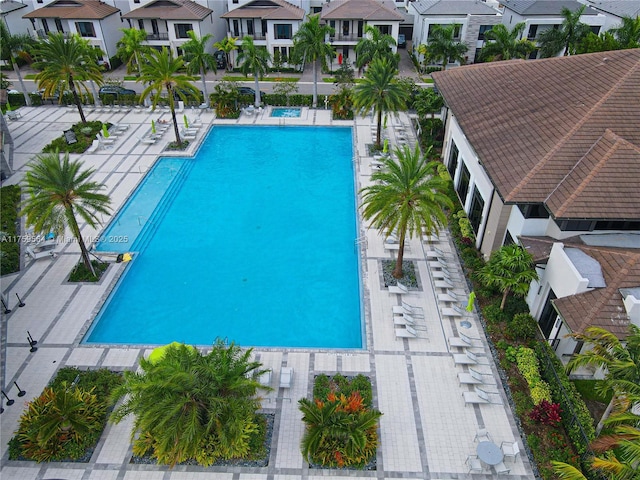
point(475, 212)
point(182, 29)
point(136, 1)
point(140, 24)
point(235, 2)
point(345, 27)
point(85, 29)
point(360, 28)
point(283, 31)
point(537, 210)
point(463, 184)
point(59, 25)
point(316, 9)
point(533, 31)
point(452, 165)
point(483, 29)
point(384, 29)
point(595, 29)
point(533, 55)
point(548, 316)
point(154, 26)
point(616, 225)
point(576, 225)
point(345, 52)
point(236, 28)
point(45, 25)
point(476, 56)
point(250, 26)
point(508, 239)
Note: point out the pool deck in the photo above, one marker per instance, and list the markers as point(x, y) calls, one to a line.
point(426, 431)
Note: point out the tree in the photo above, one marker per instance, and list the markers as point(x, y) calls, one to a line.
point(379, 90)
point(131, 48)
point(57, 190)
point(502, 44)
point(161, 72)
point(592, 43)
point(65, 64)
point(225, 98)
point(511, 270)
point(566, 37)
point(14, 46)
point(286, 89)
point(406, 196)
point(374, 44)
point(254, 60)
point(428, 101)
point(310, 45)
point(200, 61)
point(192, 406)
point(628, 34)
point(227, 45)
point(441, 46)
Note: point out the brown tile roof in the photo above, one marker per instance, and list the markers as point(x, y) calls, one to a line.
point(600, 307)
point(71, 9)
point(537, 126)
point(360, 10)
point(267, 9)
point(170, 10)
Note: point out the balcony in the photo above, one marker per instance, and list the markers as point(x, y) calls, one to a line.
point(340, 37)
point(157, 36)
point(254, 36)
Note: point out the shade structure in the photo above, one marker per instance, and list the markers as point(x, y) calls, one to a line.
point(105, 131)
point(472, 299)
point(186, 122)
point(158, 354)
point(153, 127)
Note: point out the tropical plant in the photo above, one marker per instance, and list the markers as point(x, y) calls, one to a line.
point(342, 98)
point(254, 60)
point(286, 89)
point(131, 48)
point(592, 43)
point(227, 45)
point(12, 47)
point(566, 37)
point(57, 190)
point(225, 98)
point(199, 60)
point(310, 45)
point(428, 101)
point(162, 72)
point(375, 44)
point(380, 91)
point(192, 406)
point(441, 46)
point(65, 63)
point(628, 34)
point(407, 197)
point(511, 270)
point(502, 44)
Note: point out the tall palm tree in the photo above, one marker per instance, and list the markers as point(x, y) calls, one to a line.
point(227, 45)
point(310, 45)
point(407, 197)
point(502, 44)
point(199, 60)
point(511, 270)
point(628, 34)
point(14, 46)
point(57, 190)
point(192, 406)
point(374, 44)
point(161, 72)
point(379, 90)
point(130, 48)
point(567, 37)
point(65, 64)
point(442, 47)
point(254, 60)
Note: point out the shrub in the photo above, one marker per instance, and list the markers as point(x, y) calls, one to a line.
point(522, 327)
point(493, 314)
point(9, 245)
point(84, 139)
point(528, 367)
point(511, 354)
point(546, 413)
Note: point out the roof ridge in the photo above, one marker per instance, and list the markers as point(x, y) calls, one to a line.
point(587, 116)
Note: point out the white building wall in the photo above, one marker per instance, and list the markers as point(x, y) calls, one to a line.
point(16, 24)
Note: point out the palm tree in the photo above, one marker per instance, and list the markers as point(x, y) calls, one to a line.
point(511, 270)
point(374, 44)
point(567, 37)
point(310, 45)
point(200, 61)
point(254, 60)
point(441, 46)
point(130, 48)
point(379, 90)
point(227, 45)
point(503, 44)
point(65, 64)
point(57, 190)
point(161, 72)
point(192, 406)
point(628, 34)
point(407, 197)
point(428, 101)
point(14, 46)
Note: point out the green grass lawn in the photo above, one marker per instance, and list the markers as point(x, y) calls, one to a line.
point(235, 78)
point(587, 389)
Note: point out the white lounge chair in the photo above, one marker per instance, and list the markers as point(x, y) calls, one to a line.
point(510, 449)
point(404, 321)
point(147, 141)
point(13, 115)
point(406, 332)
point(406, 309)
point(450, 296)
point(265, 378)
point(41, 254)
point(464, 341)
point(444, 283)
point(105, 141)
point(286, 377)
point(455, 311)
point(437, 254)
point(399, 289)
point(473, 377)
point(95, 145)
point(469, 358)
point(479, 396)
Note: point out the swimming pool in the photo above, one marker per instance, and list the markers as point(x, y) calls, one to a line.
point(286, 112)
point(253, 240)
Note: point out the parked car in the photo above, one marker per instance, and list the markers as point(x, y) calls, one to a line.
point(402, 41)
point(250, 91)
point(116, 90)
point(188, 94)
point(221, 59)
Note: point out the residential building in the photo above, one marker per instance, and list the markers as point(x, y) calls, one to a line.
point(11, 12)
point(615, 10)
point(471, 19)
point(550, 149)
point(542, 15)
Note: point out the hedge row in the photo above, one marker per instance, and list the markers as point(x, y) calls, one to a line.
point(9, 246)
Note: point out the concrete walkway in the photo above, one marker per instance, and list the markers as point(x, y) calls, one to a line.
point(426, 431)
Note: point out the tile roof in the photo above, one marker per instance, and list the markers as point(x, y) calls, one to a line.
point(80, 9)
point(544, 7)
point(539, 129)
point(267, 9)
point(600, 307)
point(620, 8)
point(170, 10)
point(453, 7)
point(360, 10)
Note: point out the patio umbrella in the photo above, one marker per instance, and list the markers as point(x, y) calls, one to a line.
point(472, 299)
point(8, 106)
point(153, 126)
point(186, 122)
point(158, 354)
point(105, 132)
point(385, 146)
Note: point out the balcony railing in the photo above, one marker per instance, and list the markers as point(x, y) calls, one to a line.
point(157, 36)
point(254, 36)
point(345, 38)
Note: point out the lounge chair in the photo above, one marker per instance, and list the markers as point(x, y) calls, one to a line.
point(406, 332)
point(286, 377)
point(265, 378)
point(404, 321)
point(444, 283)
point(41, 254)
point(469, 358)
point(465, 341)
point(450, 296)
point(105, 141)
point(395, 246)
point(473, 377)
point(95, 145)
point(13, 115)
point(406, 309)
point(399, 289)
point(480, 396)
point(455, 311)
point(437, 254)
point(147, 141)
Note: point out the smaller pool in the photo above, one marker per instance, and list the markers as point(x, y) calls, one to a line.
point(286, 112)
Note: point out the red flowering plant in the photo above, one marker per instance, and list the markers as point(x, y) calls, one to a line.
point(546, 413)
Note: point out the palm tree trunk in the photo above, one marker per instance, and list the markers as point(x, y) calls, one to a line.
point(27, 98)
point(315, 85)
point(504, 298)
point(75, 229)
point(379, 129)
point(175, 123)
point(397, 271)
point(76, 97)
point(135, 54)
point(256, 96)
point(204, 87)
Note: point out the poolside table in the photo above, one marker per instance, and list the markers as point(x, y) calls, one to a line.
point(489, 453)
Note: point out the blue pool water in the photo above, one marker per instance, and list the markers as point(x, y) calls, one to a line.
point(286, 112)
point(252, 240)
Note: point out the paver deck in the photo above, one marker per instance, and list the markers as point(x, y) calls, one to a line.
point(426, 431)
